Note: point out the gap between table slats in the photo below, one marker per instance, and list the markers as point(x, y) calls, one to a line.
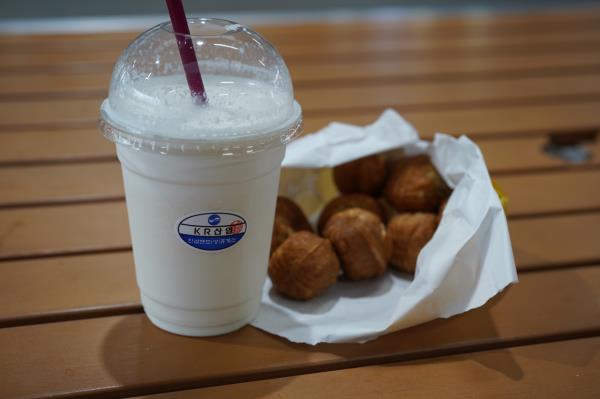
point(73, 281)
point(333, 103)
point(530, 192)
point(50, 84)
point(503, 25)
point(552, 370)
point(393, 47)
point(126, 355)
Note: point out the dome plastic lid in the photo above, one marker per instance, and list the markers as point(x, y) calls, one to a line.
point(250, 106)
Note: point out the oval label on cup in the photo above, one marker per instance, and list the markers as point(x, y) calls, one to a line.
point(211, 231)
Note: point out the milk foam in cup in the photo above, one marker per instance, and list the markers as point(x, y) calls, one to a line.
point(201, 180)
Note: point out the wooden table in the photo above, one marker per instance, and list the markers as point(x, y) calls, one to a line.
point(70, 319)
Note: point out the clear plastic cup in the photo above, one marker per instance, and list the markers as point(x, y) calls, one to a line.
point(201, 180)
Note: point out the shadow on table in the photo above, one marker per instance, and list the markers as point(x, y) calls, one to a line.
point(426, 343)
point(474, 338)
point(526, 321)
point(141, 358)
point(144, 359)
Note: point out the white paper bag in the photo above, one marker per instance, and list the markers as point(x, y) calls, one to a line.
point(467, 262)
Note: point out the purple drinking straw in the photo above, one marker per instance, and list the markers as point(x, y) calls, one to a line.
point(186, 50)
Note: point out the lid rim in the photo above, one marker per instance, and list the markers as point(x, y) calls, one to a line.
point(226, 146)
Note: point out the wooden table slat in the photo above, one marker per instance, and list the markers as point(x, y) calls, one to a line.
point(527, 155)
point(121, 354)
point(68, 144)
point(530, 194)
point(502, 120)
point(556, 241)
point(52, 146)
point(60, 288)
point(53, 230)
point(70, 317)
point(482, 22)
point(551, 192)
point(105, 282)
point(395, 46)
point(93, 80)
point(341, 101)
point(47, 184)
point(479, 23)
point(553, 370)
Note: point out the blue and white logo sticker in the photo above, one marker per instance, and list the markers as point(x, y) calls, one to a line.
point(211, 231)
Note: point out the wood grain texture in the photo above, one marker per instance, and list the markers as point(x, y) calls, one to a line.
point(442, 95)
point(32, 185)
point(552, 370)
point(341, 101)
point(534, 22)
point(527, 155)
point(551, 241)
point(65, 287)
point(51, 146)
point(77, 228)
point(468, 67)
point(481, 24)
point(68, 80)
point(351, 48)
point(500, 120)
point(506, 80)
point(68, 287)
point(54, 230)
point(551, 192)
point(126, 355)
point(55, 144)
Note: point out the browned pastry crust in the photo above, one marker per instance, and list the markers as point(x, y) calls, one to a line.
point(304, 266)
point(409, 232)
point(281, 231)
point(365, 175)
point(291, 213)
point(347, 201)
point(415, 186)
point(288, 218)
point(359, 238)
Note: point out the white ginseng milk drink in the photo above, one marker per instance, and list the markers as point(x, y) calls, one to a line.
point(201, 180)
